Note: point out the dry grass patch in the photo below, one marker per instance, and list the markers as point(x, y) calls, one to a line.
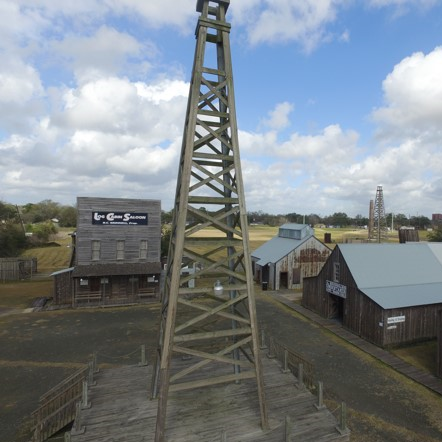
point(54, 257)
point(20, 294)
point(422, 355)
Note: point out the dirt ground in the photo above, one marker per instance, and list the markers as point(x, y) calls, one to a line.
point(39, 349)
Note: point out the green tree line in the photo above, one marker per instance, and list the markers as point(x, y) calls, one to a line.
point(41, 219)
point(31, 224)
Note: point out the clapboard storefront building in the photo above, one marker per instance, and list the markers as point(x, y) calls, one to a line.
point(116, 253)
point(388, 294)
point(285, 260)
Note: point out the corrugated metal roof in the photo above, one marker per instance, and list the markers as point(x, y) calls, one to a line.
point(59, 272)
point(397, 275)
point(275, 249)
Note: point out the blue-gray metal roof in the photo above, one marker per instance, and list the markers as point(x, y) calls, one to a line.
point(397, 275)
point(275, 249)
point(59, 272)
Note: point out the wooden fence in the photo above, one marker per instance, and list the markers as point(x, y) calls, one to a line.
point(58, 406)
point(14, 269)
point(291, 361)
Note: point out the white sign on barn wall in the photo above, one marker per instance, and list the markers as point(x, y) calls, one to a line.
point(336, 289)
point(395, 319)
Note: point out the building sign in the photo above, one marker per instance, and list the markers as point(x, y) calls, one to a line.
point(336, 289)
point(119, 218)
point(395, 319)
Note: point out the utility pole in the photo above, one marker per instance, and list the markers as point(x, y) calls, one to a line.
point(210, 322)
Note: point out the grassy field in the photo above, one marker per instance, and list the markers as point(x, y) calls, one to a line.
point(20, 294)
point(55, 256)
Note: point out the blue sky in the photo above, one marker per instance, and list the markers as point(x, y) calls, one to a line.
point(334, 97)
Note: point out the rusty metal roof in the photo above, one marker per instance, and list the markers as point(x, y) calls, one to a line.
point(397, 275)
point(278, 247)
point(117, 269)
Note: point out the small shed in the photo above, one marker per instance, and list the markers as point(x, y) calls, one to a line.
point(388, 294)
point(284, 261)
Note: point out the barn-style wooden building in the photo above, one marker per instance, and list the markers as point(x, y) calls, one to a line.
point(388, 294)
point(284, 261)
point(116, 253)
point(439, 345)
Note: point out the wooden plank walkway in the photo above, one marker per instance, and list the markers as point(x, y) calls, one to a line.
point(122, 411)
point(426, 379)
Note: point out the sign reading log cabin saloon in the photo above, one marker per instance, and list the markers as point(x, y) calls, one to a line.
point(119, 218)
point(336, 289)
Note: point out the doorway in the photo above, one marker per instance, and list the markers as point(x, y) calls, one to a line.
point(283, 280)
point(336, 308)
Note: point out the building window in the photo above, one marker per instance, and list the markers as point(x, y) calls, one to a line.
point(96, 246)
point(143, 249)
point(336, 272)
point(120, 249)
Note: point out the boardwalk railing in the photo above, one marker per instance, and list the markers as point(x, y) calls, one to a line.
point(58, 406)
point(291, 361)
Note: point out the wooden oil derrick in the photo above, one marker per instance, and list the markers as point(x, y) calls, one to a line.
point(379, 229)
point(208, 315)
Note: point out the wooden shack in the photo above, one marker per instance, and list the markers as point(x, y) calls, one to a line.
point(116, 253)
point(284, 261)
point(388, 294)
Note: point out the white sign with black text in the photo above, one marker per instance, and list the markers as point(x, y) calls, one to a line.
point(395, 319)
point(336, 289)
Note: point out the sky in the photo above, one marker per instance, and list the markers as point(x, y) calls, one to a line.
point(333, 98)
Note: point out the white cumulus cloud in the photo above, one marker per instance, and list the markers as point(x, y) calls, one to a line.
point(413, 97)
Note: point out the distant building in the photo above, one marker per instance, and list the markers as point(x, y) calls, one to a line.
point(285, 260)
point(116, 253)
point(388, 294)
point(436, 218)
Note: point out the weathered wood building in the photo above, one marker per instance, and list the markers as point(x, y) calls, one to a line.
point(388, 294)
point(288, 258)
point(439, 344)
point(116, 253)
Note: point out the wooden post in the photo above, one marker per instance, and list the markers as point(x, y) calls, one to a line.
point(143, 361)
point(67, 437)
point(84, 399)
point(95, 362)
point(223, 436)
point(286, 362)
point(287, 429)
point(320, 405)
point(263, 340)
point(77, 428)
point(342, 427)
point(301, 376)
point(90, 375)
point(270, 353)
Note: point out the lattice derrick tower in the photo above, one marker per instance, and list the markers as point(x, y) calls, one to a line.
point(379, 231)
point(199, 323)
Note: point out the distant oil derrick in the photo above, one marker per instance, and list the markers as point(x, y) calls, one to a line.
point(378, 231)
